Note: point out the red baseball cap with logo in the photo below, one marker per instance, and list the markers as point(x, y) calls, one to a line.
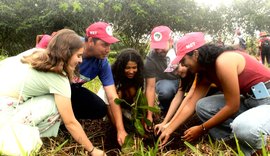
point(102, 31)
point(160, 36)
point(188, 43)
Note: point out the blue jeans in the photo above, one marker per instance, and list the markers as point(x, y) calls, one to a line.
point(166, 90)
point(250, 124)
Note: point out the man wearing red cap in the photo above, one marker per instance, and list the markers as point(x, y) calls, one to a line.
point(86, 104)
point(157, 81)
point(264, 47)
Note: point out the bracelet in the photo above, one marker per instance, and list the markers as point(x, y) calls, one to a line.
point(203, 128)
point(92, 150)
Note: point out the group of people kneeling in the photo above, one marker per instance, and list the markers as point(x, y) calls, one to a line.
point(42, 87)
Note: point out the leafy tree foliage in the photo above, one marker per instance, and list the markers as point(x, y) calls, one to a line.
point(133, 20)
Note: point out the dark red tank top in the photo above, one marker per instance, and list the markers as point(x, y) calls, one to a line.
point(253, 73)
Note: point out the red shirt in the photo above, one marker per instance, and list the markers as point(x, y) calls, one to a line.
point(253, 73)
point(261, 40)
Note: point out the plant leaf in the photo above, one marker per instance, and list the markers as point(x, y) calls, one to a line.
point(128, 144)
point(194, 149)
point(139, 127)
point(240, 152)
point(154, 109)
point(58, 148)
point(119, 101)
point(148, 122)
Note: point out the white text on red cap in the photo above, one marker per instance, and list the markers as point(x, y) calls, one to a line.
point(92, 32)
point(190, 45)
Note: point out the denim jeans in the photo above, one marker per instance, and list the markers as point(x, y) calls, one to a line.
point(166, 90)
point(250, 124)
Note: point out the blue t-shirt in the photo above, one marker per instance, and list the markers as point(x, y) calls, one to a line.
point(92, 67)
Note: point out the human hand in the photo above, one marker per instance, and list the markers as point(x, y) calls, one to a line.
point(98, 152)
point(192, 133)
point(164, 136)
point(121, 135)
point(159, 128)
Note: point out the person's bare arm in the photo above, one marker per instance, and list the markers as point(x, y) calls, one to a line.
point(186, 109)
point(172, 109)
point(73, 126)
point(150, 92)
point(174, 105)
point(116, 112)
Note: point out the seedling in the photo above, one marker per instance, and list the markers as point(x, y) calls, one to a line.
point(139, 111)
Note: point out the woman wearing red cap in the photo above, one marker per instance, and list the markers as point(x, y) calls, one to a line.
point(240, 110)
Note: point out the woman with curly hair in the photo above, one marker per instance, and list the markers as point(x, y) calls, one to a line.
point(128, 77)
point(128, 74)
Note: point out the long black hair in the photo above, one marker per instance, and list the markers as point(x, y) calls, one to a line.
point(118, 69)
point(208, 53)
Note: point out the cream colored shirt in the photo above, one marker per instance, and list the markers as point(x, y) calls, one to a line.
point(20, 81)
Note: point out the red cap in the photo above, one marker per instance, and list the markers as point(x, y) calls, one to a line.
point(43, 43)
point(159, 37)
point(102, 31)
point(188, 43)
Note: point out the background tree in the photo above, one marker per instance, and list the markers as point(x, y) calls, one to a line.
point(133, 20)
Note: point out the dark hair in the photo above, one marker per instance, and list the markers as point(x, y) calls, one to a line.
point(187, 82)
point(94, 39)
point(208, 54)
point(118, 69)
point(59, 51)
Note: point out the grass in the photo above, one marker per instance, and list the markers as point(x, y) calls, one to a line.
point(65, 145)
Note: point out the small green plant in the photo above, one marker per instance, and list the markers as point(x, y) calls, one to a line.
point(149, 151)
point(135, 146)
point(139, 111)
